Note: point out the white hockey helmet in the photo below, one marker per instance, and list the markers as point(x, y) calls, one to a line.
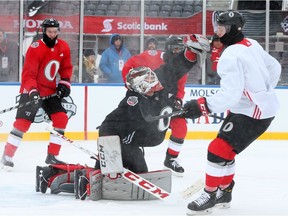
point(143, 80)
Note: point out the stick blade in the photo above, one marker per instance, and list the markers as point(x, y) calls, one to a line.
point(193, 189)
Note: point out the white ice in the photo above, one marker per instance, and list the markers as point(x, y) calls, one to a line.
point(261, 182)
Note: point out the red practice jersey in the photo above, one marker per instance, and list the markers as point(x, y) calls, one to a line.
point(42, 64)
point(149, 58)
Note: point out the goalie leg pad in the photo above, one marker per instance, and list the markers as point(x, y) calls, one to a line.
point(118, 188)
point(81, 183)
point(96, 179)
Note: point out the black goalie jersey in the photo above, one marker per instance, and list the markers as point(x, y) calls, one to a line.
point(128, 119)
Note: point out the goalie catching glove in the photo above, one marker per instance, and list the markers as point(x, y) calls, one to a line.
point(196, 44)
point(195, 108)
point(63, 88)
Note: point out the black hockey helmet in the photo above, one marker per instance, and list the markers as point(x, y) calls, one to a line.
point(231, 18)
point(50, 22)
point(174, 43)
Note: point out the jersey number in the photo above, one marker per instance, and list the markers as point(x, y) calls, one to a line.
point(165, 122)
point(51, 70)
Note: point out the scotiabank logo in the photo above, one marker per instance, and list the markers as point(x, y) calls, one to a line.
point(147, 26)
point(107, 24)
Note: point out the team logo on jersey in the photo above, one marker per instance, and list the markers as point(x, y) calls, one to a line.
point(35, 44)
point(132, 100)
point(152, 52)
point(67, 103)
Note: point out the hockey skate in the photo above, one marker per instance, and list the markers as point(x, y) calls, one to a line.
point(80, 184)
point(6, 162)
point(224, 197)
point(174, 166)
point(42, 177)
point(51, 159)
point(203, 205)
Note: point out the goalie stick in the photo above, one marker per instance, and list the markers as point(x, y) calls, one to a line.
point(127, 174)
point(176, 113)
point(24, 104)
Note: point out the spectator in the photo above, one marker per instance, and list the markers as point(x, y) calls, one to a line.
point(89, 66)
point(216, 49)
point(114, 58)
point(8, 59)
point(151, 43)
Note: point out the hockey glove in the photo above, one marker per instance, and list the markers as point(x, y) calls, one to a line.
point(196, 108)
point(34, 97)
point(63, 88)
point(178, 104)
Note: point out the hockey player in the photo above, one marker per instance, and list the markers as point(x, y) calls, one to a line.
point(45, 59)
point(248, 78)
point(146, 96)
point(153, 59)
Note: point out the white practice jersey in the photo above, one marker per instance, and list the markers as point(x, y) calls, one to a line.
point(248, 78)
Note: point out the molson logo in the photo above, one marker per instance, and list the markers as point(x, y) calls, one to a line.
point(133, 26)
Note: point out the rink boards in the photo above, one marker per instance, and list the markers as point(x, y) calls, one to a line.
point(89, 104)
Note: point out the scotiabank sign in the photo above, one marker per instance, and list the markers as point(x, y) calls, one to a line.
point(108, 25)
point(155, 26)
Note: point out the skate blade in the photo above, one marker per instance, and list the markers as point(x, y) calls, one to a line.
point(6, 168)
point(223, 205)
point(204, 212)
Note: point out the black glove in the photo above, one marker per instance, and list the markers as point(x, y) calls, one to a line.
point(178, 104)
point(34, 97)
point(196, 108)
point(63, 89)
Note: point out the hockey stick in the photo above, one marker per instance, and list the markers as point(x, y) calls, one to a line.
point(127, 174)
point(176, 113)
point(193, 189)
point(56, 133)
point(24, 104)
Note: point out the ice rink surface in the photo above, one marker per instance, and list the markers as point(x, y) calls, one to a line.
point(261, 182)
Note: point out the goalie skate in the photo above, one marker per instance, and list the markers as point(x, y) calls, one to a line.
point(81, 183)
point(42, 177)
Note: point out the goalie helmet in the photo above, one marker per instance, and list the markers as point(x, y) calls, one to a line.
point(143, 80)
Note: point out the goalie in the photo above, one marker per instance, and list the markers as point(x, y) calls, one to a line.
point(150, 93)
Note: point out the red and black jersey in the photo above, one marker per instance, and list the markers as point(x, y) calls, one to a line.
point(42, 64)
